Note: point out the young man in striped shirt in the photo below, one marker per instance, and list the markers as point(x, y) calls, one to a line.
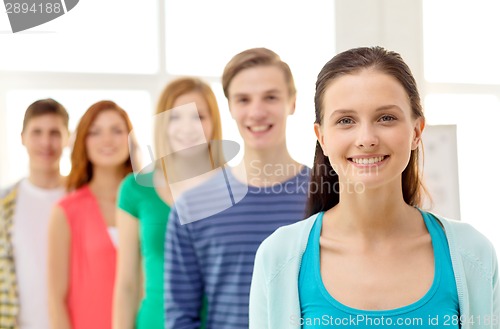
point(216, 228)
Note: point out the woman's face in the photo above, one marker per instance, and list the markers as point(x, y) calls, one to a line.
point(189, 125)
point(107, 140)
point(368, 130)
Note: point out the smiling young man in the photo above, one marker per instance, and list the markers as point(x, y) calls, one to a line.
point(24, 213)
point(210, 253)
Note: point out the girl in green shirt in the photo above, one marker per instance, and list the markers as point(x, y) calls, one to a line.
point(144, 203)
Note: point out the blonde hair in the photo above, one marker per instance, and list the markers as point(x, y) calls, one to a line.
point(174, 90)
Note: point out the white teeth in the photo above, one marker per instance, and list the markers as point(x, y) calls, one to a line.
point(365, 161)
point(259, 128)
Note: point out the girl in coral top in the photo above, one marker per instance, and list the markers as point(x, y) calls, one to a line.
point(82, 233)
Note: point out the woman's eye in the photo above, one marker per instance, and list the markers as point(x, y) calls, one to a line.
point(345, 121)
point(386, 118)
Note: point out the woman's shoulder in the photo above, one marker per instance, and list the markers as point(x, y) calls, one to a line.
point(76, 202)
point(296, 229)
point(286, 242)
point(133, 181)
point(75, 195)
point(468, 241)
point(142, 183)
point(464, 231)
point(79, 202)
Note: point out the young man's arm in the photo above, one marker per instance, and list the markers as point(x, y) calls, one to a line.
point(183, 279)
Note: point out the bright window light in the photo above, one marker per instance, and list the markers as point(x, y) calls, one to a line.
point(461, 41)
point(112, 36)
point(302, 33)
point(201, 36)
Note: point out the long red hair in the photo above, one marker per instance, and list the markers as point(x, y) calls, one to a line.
point(81, 168)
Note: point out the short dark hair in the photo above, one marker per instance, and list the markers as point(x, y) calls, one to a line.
point(45, 106)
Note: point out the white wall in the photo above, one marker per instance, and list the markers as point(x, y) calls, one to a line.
point(473, 107)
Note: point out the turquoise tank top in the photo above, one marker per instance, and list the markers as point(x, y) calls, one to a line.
point(438, 308)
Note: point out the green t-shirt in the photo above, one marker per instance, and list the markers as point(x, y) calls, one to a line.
point(145, 204)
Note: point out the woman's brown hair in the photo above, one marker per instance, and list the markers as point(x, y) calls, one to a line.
point(81, 168)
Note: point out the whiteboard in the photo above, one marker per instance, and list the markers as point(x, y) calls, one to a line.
point(440, 170)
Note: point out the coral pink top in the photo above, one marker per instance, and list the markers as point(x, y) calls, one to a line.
point(92, 262)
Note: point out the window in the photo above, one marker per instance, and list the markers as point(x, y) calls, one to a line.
point(201, 38)
point(112, 36)
point(99, 47)
point(461, 41)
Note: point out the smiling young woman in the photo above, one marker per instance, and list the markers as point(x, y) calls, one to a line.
point(370, 254)
point(82, 231)
point(187, 115)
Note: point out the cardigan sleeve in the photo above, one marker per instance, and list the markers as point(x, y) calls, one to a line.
point(496, 293)
point(258, 307)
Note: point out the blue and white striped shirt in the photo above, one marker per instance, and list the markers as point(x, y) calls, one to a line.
point(214, 256)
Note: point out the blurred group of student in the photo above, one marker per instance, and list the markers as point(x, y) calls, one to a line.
point(173, 245)
point(88, 250)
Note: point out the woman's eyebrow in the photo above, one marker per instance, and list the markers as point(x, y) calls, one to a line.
point(381, 108)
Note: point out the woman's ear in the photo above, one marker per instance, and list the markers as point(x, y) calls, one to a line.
point(292, 105)
point(319, 135)
point(418, 129)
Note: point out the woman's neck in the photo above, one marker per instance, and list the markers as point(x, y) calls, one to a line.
point(105, 181)
point(180, 168)
point(161, 185)
point(374, 214)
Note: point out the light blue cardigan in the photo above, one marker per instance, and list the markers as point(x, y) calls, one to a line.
point(274, 294)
